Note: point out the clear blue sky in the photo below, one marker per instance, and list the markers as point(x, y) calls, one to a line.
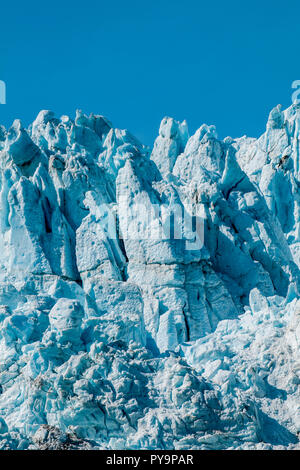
point(224, 62)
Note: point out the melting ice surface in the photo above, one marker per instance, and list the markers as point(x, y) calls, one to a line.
point(115, 343)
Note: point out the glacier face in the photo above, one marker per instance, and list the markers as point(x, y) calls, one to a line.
point(113, 340)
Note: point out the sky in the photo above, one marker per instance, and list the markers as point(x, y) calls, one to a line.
point(226, 63)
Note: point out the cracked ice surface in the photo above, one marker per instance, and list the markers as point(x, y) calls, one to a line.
point(114, 342)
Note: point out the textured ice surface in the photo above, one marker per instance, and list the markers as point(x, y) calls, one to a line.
point(113, 341)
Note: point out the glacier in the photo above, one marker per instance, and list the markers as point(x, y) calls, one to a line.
point(110, 339)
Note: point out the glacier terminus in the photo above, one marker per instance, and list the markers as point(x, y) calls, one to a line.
point(149, 298)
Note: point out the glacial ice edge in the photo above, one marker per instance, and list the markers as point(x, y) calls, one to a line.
point(113, 340)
